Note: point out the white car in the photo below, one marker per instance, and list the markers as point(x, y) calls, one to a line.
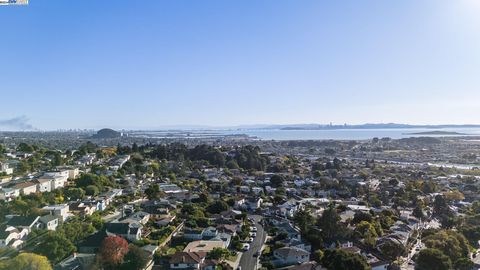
point(253, 234)
point(250, 240)
point(246, 247)
point(253, 229)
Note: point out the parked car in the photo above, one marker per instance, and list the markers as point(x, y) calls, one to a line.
point(246, 247)
point(253, 229)
point(250, 240)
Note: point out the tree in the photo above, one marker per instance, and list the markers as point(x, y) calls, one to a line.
point(318, 255)
point(92, 190)
point(366, 231)
point(152, 192)
point(24, 147)
point(304, 221)
point(19, 206)
point(361, 216)
point(277, 180)
point(76, 230)
point(392, 249)
point(342, 260)
point(112, 250)
point(75, 193)
point(451, 243)
point(26, 261)
point(418, 212)
point(218, 253)
point(454, 195)
point(471, 233)
point(432, 259)
point(463, 264)
point(136, 259)
point(328, 222)
point(55, 246)
point(217, 207)
point(440, 206)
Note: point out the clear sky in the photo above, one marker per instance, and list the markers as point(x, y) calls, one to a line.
point(154, 63)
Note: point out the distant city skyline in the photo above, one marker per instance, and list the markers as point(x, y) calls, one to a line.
point(84, 64)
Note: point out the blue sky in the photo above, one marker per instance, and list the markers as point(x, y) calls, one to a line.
point(154, 63)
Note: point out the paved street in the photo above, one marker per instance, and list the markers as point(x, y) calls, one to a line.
point(248, 261)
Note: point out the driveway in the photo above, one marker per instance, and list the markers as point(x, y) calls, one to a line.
point(248, 261)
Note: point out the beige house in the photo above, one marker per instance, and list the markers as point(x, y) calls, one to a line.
point(26, 188)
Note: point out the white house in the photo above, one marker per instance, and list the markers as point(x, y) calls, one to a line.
point(49, 222)
point(60, 210)
point(5, 168)
point(291, 255)
point(8, 194)
point(63, 174)
point(44, 185)
point(9, 234)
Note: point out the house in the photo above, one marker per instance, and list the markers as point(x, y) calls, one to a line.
point(254, 203)
point(86, 160)
point(227, 228)
point(187, 260)
point(375, 263)
point(60, 174)
point(165, 221)
point(291, 255)
point(77, 261)
point(130, 231)
point(230, 214)
point(9, 235)
point(291, 231)
point(226, 238)
point(8, 194)
point(21, 222)
point(244, 189)
point(139, 217)
point(209, 233)
point(257, 190)
point(49, 222)
point(82, 209)
point(73, 173)
point(239, 203)
point(193, 234)
point(60, 210)
point(289, 208)
point(150, 249)
point(55, 181)
point(26, 188)
point(44, 185)
point(109, 195)
point(304, 266)
point(379, 265)
point(119, 161)
point(294, 242)
point(5, 168)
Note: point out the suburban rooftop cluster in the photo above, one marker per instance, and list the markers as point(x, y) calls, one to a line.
point(240, 204)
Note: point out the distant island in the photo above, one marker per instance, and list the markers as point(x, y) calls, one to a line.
point(107, 133)
point(368, 126)
point(436, 132)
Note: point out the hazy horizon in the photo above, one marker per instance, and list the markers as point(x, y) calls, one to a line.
point(84, 64)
